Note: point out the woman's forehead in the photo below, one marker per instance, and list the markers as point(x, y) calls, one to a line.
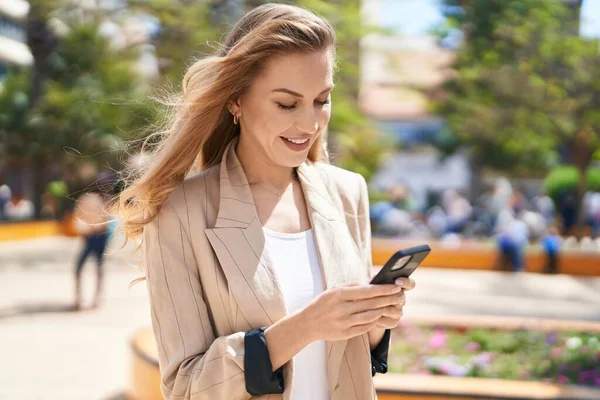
point(302, 73)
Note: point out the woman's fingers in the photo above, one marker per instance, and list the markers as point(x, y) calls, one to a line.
point(354, 293)
point(361, 329)
point(405, 283)
point(366, 317)
point(392, 312)
point(377, 302)
point(363, 317)
point(387, 322)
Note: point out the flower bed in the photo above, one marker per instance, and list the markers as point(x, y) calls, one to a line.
point(558, 357)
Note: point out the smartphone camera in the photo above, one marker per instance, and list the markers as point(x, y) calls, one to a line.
point(401, 263)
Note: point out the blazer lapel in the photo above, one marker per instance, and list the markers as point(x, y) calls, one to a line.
point(239, 244)
point(336, 252)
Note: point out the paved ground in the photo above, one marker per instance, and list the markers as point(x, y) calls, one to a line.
point(47, 352)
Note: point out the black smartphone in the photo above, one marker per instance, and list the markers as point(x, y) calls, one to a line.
point(401, 265)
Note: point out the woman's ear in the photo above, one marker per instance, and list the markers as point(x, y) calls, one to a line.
point(235, 107)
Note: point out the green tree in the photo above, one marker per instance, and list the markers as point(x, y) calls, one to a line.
point(75, 103)
point(526, 87)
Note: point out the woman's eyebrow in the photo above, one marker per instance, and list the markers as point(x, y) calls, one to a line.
point(296, 94)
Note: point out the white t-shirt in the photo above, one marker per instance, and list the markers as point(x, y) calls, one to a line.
point(297, 267)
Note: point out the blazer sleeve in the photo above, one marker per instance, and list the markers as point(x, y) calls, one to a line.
point(379, 354)
point(194, 364)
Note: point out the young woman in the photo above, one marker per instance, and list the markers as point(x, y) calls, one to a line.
point(258, 266)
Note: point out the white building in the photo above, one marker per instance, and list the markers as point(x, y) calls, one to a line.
point(13, 47)
point(400, 75)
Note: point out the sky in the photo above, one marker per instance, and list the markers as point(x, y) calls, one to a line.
point(411, 17)
point(417, 17)
point(590, 19)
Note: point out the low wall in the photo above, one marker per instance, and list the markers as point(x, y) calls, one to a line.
point(484, 256)
point(27, 230)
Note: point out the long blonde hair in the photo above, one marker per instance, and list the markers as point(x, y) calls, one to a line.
point(200, 126)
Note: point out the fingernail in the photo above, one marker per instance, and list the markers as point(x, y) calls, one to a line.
point(400, 282)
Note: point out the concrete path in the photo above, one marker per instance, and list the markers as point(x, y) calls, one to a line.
point(47, 352)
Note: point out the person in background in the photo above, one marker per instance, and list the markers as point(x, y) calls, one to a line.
point(91, 223)
point(19, 208)
point(458, 210)
point(568, 212)
point(401, 197)
point(545, 206)
point(519, 202)
point(5, 196)
point(591, 204)
point(512, 240)
point(551, 244)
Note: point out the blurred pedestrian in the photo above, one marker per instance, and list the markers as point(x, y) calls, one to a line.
point(5, 196)
point(591, 203)
point(568, 212)
point(92, 223)
point(512, 241)
point(458, 210)
point(545, 206)
point(19, 208)
point(551, 243)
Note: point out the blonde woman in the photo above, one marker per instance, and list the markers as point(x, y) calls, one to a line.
point(258, 266)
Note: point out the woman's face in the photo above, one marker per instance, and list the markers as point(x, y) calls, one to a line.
point(287, 106)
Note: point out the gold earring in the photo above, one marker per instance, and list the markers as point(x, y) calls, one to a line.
point(235, 119)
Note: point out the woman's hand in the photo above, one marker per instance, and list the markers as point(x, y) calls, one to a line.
point(391, 315)
point(350, 310)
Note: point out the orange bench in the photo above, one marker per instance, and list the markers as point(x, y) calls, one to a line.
point(484, 256)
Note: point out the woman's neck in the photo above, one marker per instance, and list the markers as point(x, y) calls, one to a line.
point(260, 172)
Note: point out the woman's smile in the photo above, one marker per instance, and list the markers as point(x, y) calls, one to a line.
point(296, 144)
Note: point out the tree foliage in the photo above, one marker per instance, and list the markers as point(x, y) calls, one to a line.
point(527, 87)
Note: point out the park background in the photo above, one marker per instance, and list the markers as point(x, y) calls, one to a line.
point(476, 124)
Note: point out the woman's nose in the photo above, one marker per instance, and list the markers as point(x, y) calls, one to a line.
point(308, 122)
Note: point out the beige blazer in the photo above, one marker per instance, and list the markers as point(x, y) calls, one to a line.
point(211, 279)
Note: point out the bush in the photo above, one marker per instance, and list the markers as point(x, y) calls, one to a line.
point(593, 179)
point(565, 179)
point(560, 181)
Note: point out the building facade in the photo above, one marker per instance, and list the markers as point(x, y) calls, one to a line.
point(13, 40)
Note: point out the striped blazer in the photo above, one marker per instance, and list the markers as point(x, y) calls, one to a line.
point(211, 279)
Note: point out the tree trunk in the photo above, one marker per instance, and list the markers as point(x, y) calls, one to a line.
point(42, 42)
point(38, 167)
point(581, 156)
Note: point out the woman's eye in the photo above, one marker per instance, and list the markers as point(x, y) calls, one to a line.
point(293, 106)
point(285, 107)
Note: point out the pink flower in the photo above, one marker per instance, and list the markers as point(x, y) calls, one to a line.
point(562, 380)
point(473, 346)
point(438, 340)
point(556, 352)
